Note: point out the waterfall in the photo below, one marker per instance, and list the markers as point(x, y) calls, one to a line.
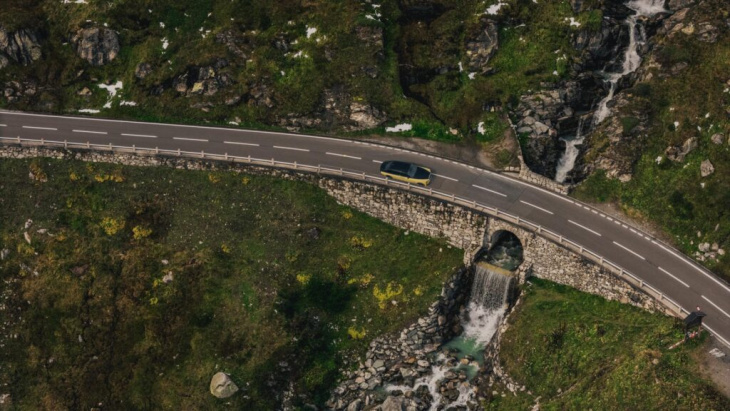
point(488, 302)
point(631, 62)
point(567, 160)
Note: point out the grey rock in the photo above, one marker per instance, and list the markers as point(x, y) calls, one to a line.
point(3, 61)
point(481, 47)
point(4, 253)
point(393, 404)
point(355, 405)
point(707, 33)
point(20, 46)
point(704, 247)
point(706, 168)
point(365, 116)
point(679, 4)
point(717, 138)
point(143, 70)
point(98, 46)
point(221, 385)
point(370, 35)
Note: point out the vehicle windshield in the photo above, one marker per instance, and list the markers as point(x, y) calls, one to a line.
point(412, 170)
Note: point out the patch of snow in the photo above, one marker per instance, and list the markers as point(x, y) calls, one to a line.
point(399, 128)
point(555, 73)
point(572, 21)
point(165, 43)
point(472, 75)
point(461, 68)
point(676, 125)
point(112, 90)
point(707, 115)
point(494, 9)
point(311, 31)
point(480, 128)
point(74, 2)
point(89, 111)
point(162, 25)
point(127, 103)
point(659, 159)
point(233, 123)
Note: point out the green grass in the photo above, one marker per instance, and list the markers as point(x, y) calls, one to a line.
point(253, 294)
point(578, 351)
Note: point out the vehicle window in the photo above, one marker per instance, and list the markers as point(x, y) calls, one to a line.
point(412, 170)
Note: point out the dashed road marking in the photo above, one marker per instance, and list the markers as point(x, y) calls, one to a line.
point(448, 178)
point(203, 140)
point(240, 143)
point(343, 155)
point(377, 161)
point(716, 306)
point(672, 275)
point(491, 191)
point(539, 208)
point(41, 128)
point(3, 125)
point(629, 250)
point(89, 132)
point(290, 148)
point(139, 135)
point(585, 228)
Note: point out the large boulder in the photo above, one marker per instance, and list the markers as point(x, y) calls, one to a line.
point(365, 116)
point(706, 168)
point(20, 46)
point(481, 46)
point(221, 385)
point(98, 46)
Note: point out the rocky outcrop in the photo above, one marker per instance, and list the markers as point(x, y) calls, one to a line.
point(481, 46)
point(365, 116)
point(394, 361)
point(597, 47)
point(221, 385)
point(206, 80)
point(706, 168)
point(19, 46)
point(15, 90)
point(98, 46)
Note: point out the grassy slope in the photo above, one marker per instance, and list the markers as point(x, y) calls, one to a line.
point(672, 193)
point(579, 351)
point(253, 294)
point(335, 57)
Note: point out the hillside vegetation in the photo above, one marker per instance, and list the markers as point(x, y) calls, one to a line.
point(574, 350)
point(130, 287)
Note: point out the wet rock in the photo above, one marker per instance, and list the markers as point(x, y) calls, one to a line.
point(706, 168)
point(313, 233)
point(205, 80)
point(221, 385)
point(84, 92)
point(237, 43)
point(143, 70)
point(678, 154)
point(393, 404)
point(20, 46)
point(98, 46)
point(707, 33)
point(481, 46)
point(597, 46)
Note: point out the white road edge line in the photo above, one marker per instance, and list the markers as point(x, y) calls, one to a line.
point(692, 265)
point(672, 275)
point(89, 132)
point(585, 228)
point(448, 178)
point(491, 191)
point(538, 207)
point(716, 306)
point(291, 148)
point(41, 128)
point(724, 341)
point(190, 139)
point(3, 125)
point(631, 251)
point(343, 155)
point(139, 135)
point(241, 144)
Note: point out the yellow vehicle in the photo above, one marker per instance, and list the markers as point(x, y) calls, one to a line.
point(406, 172)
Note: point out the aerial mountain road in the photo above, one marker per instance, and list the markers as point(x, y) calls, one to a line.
point(655, 263)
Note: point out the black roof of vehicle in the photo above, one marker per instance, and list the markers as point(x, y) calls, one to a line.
point(397, 166)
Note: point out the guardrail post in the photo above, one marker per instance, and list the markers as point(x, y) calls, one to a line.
point(409, 186)
point(641, 283)
point(18, 139)
point(202, 153)
point(110, 147)
point(518, 220)
point(249, 158)
point(272, 161)
point(539, 229)
point(601, 261)
point(88, 145)
point(134, 148)
point(65, 143)
point(474, 204)
point(581, 249)
point(319, 168)
point(560, 239)
point(364, 177)
point(453, 198)
point(178, 152)
point(43, 141)
point(341, 173)
point(295, 165)
point(226, 156)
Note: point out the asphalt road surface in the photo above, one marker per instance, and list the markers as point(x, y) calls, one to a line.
point(657, 264)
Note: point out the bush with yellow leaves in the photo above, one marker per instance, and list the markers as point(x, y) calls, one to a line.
point(112, 226)
point(356, 334)
point(384, 296)
point(140, 232)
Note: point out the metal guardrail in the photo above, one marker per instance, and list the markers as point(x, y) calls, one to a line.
point(672, 306)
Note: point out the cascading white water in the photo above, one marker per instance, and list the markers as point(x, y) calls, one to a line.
point(567, 160)
point(487, 305)
point(631, 62)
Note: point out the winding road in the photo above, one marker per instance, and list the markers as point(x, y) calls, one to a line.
point(657, 264)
